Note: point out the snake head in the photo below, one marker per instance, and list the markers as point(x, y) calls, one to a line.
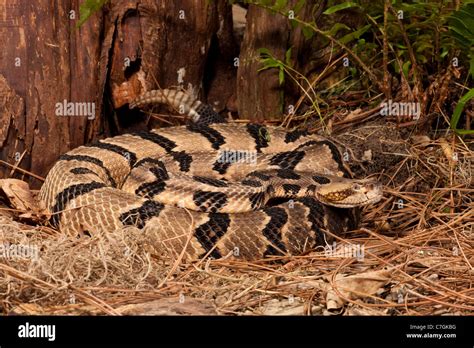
point(348, 193)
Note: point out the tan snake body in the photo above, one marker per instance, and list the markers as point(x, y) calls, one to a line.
point(179, 185)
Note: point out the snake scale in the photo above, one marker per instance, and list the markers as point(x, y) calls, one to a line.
point(209, 188)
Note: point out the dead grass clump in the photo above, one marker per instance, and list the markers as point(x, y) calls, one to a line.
point(55, 266)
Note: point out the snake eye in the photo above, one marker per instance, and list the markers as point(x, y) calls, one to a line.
point(357, 187)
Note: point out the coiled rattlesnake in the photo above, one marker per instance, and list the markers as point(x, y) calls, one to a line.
point(210, 187)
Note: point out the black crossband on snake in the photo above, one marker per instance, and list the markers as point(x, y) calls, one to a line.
point(209, 188)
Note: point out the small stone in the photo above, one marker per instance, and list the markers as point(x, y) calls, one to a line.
point(367, 156)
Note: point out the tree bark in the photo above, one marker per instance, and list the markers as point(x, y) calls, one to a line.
point(44, 61)
point(259, 95)
point(167, 44)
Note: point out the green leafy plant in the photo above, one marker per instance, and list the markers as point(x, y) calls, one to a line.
point(461, 27)
point(285, 68)
point(421, 37)
point(269, 61)
point(88, 8)
point(458, 110)
point(339, 7)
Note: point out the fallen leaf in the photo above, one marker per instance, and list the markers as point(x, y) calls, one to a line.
point(352, 114)
point(355, 286)
point(20, 196)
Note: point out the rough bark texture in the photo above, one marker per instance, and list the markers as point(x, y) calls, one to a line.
point(145, 44)
point(221, 71)
point(167, 43)
point(44, 61)
point(259, 95)
point(175, 35)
